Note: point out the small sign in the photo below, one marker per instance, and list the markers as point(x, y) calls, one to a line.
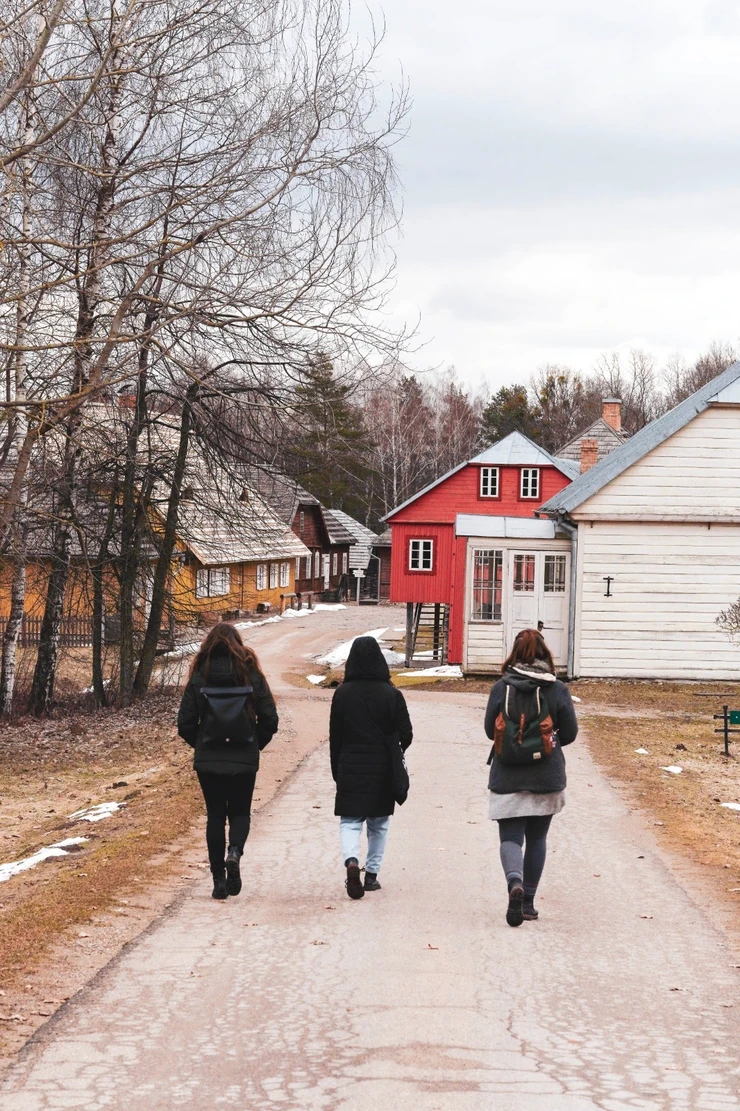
point(734, 717)
point(358, 574)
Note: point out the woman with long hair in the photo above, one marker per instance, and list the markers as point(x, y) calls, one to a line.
point(368, 714)
point(530, 717)
point(227, 715)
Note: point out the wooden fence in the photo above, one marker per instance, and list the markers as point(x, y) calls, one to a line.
point(76, 631)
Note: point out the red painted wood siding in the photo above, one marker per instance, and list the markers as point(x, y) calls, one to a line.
point(459, 494)
point(422, 586)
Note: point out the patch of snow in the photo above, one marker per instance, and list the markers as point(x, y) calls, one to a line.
point(444, 671)
point(59, 849)
point(575, 698)
point(96, 813)
point(316, 679)
point(89, 690)
point(642, 751)
point(673, 769)
point(731, 805)
point(338, 655)
point(328, 606)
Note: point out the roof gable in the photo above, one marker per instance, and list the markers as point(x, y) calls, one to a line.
point(724, 389)
point(606, 437)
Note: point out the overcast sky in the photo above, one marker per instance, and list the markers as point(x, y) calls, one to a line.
point(571, 179)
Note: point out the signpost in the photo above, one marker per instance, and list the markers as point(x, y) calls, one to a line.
point(359, 575)
point(727, 717)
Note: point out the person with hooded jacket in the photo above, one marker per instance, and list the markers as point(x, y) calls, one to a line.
point(367, 713)
point(226, 769)
point(524, 797)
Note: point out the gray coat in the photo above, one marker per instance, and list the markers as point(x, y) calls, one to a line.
point(545, 776)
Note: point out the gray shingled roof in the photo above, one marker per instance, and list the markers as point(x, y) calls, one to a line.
point(644, 441)
point(338, 534)
point(359, 554)
point(607, 439)
point(282, 493)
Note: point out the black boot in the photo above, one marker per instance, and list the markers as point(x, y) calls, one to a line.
point(219, 884)
point(233, 878)
point(353, 883)
point(514, 914)
point(371, 881)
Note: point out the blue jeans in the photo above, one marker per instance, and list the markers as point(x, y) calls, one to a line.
point(350, 830)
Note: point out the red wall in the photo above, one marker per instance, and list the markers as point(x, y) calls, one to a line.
point(459, 494)
point(421, 586)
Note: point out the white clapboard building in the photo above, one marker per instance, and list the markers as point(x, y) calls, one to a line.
point(655, 545)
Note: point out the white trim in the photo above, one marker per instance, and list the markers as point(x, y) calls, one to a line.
point(530, 472)
point(421, 553)
point(490, 473)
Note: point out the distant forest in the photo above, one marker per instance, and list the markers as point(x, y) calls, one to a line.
point(366, 442)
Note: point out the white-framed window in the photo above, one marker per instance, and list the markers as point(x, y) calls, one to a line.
point(302, 522)
point(554, 574)
point(524, 571)
point(261, 576)
point(298, 567)
point(488, 482)
point(309, 561)
point(421, 555)
point(212, 582)
point(335, 563)
point(316, 564)
point(273, 575)
point(488, 573)
point(285, 574)
point(345, 562)
point(530, 482)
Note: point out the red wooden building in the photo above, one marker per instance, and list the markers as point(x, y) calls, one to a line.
point(473, 563)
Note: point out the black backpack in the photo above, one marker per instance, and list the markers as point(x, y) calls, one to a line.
point(229, 716)
point(523, 733)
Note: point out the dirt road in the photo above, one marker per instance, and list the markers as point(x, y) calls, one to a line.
point(623, 995)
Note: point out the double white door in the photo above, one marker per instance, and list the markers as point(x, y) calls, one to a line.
point(538, 598)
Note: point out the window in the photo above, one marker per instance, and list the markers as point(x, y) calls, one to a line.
point(488, 566)
point(345, 563)
point(273, 575)
point(213, 582)
point(420, 555)
point(298, 567)
point(530, 487)
point(261, 576)
point(489, 482)
point(284, 574)
point(308, 566)
point(554, 574)
point(335, 563)
point(302, 522)
point(316, 564)
point(524, 573)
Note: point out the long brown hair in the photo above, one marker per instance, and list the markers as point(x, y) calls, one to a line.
point(224, 639)
point(529, 646)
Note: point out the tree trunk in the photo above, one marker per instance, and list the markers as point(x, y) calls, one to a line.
point(12, 632)
point(166, 551)
point(97, 572)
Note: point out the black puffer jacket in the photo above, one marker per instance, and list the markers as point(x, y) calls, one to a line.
point(366, 709)
point(228, 760)
point(546, 775)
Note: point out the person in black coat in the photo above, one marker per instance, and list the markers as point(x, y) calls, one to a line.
point(524, 797)
point(226, 769)
point(367, 714)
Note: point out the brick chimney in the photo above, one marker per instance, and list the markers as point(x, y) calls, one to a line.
point(611, 412)
point(589, 454)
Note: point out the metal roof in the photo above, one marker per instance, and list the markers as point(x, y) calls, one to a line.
point(515, 450)
point(526, 528)
point(723, 389)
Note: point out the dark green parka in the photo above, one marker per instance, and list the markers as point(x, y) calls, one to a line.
point(228, 760)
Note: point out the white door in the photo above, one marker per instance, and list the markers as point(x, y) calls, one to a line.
point(538, 592)
point(325, 560)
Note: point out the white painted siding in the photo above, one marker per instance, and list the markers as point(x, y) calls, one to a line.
point(694, 474)
point(670, 582)
point(484, 647)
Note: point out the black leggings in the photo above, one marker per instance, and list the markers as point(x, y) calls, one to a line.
point(525, 867)
point(227, 796)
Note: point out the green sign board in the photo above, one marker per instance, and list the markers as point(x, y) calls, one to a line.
point(734, 717)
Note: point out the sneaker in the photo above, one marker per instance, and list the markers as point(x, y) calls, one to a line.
point(219, 885)
point(353, 883)
point(371, 881)
point(514, 915)
point(233, 878)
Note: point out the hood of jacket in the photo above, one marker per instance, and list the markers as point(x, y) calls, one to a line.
point(219, 670)
point(527, 677)
point(366, 661)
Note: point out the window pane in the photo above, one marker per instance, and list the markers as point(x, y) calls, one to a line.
point(201, 583)
point(487, 582)
point(261, 576)
point(554, 574)
point(524, 572)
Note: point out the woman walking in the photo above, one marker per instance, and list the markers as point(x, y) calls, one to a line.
point(227, 715)
point(368, 714)
point(530, 717)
